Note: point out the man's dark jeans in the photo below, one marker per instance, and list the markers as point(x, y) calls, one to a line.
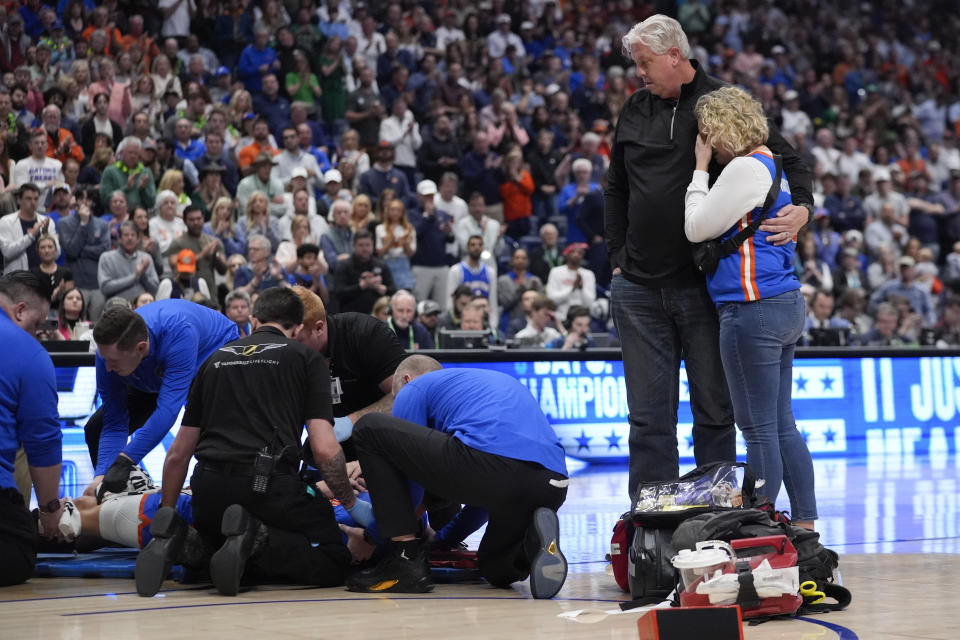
point(658, 328)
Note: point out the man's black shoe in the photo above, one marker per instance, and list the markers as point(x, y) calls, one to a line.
point(398, 572)
point(548, 569)
point(169, 532)
point(245, 535)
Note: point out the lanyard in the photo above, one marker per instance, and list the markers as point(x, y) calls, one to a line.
point(409, 331)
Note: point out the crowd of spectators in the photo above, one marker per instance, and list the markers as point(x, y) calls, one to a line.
point(454, 152)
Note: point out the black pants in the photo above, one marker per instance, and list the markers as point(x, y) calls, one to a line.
point(18, 539)
point(140, 406)
point(305, 545)
point(393, 451)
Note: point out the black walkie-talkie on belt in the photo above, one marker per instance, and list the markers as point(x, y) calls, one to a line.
point(263, 465)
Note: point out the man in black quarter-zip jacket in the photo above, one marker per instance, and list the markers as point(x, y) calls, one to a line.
point(660, 302)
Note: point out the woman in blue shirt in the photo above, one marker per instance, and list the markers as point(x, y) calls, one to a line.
point(756, 291)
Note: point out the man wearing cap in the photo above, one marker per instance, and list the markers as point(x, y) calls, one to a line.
point(906, 287)
point(571, 284)
point(428, 313)
point(383, 175)
point(332, 181)
point(206, 250)
point(795, 120)
point(129, 175)
point(431, 262)
point(293, 157)
point(259, 179)
point(260, 145)
point(216, 155)
point(186, 283)
point(502, 37)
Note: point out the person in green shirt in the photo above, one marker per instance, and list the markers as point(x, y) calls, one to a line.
point(301, 83)
point(129, 175)
point(333, 82)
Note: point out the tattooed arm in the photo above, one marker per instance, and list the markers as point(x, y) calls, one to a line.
point(330, 460)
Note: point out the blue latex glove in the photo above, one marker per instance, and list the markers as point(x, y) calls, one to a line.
point(362, 513)
point(342, 428)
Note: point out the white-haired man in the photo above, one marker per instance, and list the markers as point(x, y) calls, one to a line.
point(129, 175)
point(661, 305)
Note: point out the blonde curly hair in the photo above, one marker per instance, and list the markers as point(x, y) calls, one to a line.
point(734, 119)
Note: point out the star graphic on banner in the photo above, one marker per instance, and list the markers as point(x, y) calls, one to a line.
point(827, 382)
point(686, 383)
point(830, 435)
point(690, 442)
point(801, 382)
point(614, 440)
point(805, 434)
point(583, 442)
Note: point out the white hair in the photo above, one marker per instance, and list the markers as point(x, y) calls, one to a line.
point(400, 294)
point(659, 32)
point(163, 196)
point(261, 240)
point(128, 141)
point(582, 163)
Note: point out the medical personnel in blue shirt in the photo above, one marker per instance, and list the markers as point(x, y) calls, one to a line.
point(474, 437)
point(156, 351)
point(28, 418)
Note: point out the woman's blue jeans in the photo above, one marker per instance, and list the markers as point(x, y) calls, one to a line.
point(757, 342)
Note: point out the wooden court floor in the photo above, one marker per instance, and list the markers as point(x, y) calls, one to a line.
point(899, 558)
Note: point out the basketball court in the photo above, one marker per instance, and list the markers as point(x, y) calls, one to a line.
point(893, 519)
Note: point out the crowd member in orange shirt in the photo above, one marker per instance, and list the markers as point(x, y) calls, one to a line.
point(516, 191)
point(100, 20)
point(260, 144)
point(137, 36)
point(60, 142)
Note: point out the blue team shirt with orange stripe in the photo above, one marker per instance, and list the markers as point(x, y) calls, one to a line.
point(759, 269)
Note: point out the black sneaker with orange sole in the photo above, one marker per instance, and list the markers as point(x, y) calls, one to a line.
point(396, 573)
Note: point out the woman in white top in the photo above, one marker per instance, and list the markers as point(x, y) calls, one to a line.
point(163, 78)
point(166, 225)
point(80, 72)
point(300, 233)
point(396, 244)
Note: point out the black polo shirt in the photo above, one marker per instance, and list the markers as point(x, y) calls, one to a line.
point(257, 392)
point(362, 352)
